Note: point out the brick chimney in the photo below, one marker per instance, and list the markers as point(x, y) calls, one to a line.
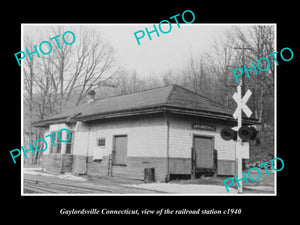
point(91, 96)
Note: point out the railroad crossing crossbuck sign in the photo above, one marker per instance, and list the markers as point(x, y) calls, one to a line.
point(241, 103)
point(241, 106)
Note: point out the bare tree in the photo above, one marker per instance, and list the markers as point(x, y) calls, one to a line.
point(127, 81)
point(78, 68)
point(28, 96)
point(172, 77)
point(260, 40)
point(62, 78)
point(220, 61)
point(223, 58)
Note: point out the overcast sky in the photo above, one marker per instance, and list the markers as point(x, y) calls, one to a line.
point(168, 51)
point(153, 57)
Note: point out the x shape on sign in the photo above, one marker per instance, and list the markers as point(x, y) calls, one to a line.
point(241, 103)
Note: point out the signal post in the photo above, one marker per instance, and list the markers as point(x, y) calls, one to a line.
point(245, 133)
point(241, 106)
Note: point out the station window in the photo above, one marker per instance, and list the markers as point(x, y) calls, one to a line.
point(70, 144)
point(101, 142)
point(52, 148)
point(58, 144)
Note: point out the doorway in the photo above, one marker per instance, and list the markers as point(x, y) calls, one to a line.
point(120, 150)
point(202, 154)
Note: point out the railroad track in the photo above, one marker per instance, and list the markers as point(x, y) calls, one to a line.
point(41, 185)
point(51, 187)
point(37, 189)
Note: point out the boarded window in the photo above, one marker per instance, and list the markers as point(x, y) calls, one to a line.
point(120, 150)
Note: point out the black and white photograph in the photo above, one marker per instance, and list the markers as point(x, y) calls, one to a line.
point(169, 113)
point(108, 112)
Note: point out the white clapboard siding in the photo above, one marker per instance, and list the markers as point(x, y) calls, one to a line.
point(181, 140)
point(146, 137)
point(98, 153)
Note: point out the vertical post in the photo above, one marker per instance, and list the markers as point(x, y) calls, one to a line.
point(243, 84)
point(241, 106)
point(237, 148)
point(243, 62)
point(193, 174)
point(167, 179)
point(63, 147)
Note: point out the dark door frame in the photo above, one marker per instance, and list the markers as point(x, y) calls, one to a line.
point(114, 148)
point(193, 152)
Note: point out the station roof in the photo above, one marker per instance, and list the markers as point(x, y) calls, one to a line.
point(173, 98)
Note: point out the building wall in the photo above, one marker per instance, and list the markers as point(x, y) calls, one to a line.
point(181, 143)
point(141, 131)
point(147, 146)
point(181, 138)
point(53, 162)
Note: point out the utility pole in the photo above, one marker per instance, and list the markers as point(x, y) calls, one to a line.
point(243, 86)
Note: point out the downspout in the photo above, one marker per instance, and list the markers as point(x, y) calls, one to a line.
point(167, 179)
point(87, 152)
point(62, 153)
point(61, 171)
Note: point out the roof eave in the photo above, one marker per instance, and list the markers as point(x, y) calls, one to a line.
point(214, 115)
point(47, 122)
point(147, 110)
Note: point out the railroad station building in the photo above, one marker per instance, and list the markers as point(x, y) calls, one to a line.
point(170, 129)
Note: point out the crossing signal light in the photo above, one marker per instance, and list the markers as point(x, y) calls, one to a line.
point(245, 133)
point(227, 134)
point(254, 135)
